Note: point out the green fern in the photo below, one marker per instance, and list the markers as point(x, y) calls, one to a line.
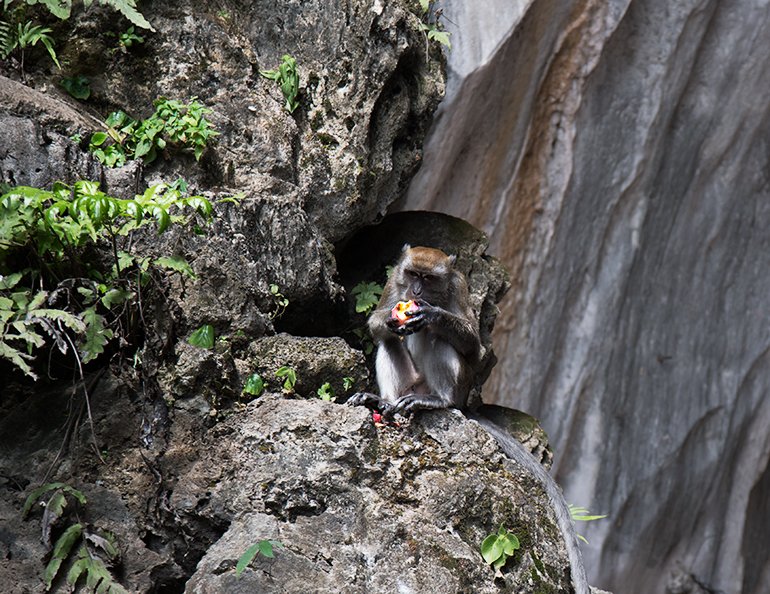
point(55, 227)
point(63, 9)
point(23, 36)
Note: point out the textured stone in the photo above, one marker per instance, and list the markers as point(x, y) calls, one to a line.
point(616, 153)
point(361, 508)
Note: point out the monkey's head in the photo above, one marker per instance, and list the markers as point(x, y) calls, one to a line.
point(424, 273)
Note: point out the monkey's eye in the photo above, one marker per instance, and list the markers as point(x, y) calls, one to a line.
point(412, 274)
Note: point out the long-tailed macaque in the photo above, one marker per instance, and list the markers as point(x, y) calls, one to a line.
point(426, 361)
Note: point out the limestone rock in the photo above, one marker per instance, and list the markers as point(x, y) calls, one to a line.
point(360, 508)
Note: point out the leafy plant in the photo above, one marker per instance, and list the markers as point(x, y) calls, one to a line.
point(498, 547)
point(127, 39)
point(431, 25)
point(174, 125)
point(280, 301)
point(89, 552)
point(347, 383)
point(367, 296)
point(25, 323)
point(326, 392)
point(289, 376)
point(77, 86)
point(203, 337)
point(254, 385)
point(20, 36)
point(265, 547)
point(63, 9)
point(287, 77)
point(581, 514)
point(55, 232)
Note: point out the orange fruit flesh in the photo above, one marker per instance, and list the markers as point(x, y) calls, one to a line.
point(400, 311)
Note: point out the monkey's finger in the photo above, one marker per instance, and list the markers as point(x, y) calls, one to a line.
point(362, 399)
point(416, 322)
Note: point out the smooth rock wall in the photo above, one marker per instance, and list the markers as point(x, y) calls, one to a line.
point(617, 154)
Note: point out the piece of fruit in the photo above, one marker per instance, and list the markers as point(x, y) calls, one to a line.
point(403, 310)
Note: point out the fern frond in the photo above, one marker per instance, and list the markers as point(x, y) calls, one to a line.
point(59, 8)
point(128, 9)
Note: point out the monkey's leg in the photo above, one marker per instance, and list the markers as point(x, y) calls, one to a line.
point(446, 374)
point(396, 374)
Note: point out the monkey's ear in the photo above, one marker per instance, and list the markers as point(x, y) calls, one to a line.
point(406, 248)
point(452, 260)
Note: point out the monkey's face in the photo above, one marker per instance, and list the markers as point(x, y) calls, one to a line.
point(425, 286)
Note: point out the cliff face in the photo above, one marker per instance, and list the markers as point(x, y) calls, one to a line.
point(160, 444)
point(617, 155)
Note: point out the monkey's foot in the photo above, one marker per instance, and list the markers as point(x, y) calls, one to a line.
point(364, 399)
point(410, 403)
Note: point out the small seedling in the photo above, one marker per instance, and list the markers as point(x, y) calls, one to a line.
point(280, 301)
point(498, 547)
point(289, 376)
point(581, 514)
point(431, 25)
point(326, 392)
point(127, 39)
point(78, 87)
point(347, 383)
point(203, 337)
point(287, 76)
point(254, 385)
point(264, 547)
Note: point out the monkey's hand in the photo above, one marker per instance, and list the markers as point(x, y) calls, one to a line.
point(406, 405)
point(419, 318)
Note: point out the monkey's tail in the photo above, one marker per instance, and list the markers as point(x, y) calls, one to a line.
point(518, 453)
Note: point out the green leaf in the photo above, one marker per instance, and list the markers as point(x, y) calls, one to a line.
point(61, 551)
point(164, 220)
point(347, 383)
point(116, 296)
point(142, 147)
point(266, 548)
point(175, 263)
point(367, 296)
point(10, 281)
point(76, 570)
point(254, 385)
point(37, 493)
point(510, 543)
point(425, 5)
point(491, 548)
point(96, 336)
point(441, 36)
point(203, 337)
point(78, 87)
point(246, 558)
point(290, 377)
point(326, 392)
point(128, 9)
